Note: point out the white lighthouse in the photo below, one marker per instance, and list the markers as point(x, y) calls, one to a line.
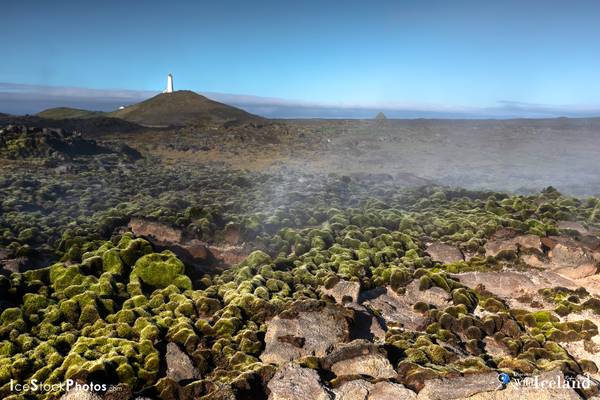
point(169, 88)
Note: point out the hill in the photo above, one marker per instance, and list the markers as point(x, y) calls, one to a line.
point(68, 113)
point(181, 108)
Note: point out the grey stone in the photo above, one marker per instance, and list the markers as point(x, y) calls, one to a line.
point(444, 253)
point(293, 382)
point(309, 333)
point(179, 364)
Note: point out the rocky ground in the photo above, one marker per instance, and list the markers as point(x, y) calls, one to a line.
point(162, 275)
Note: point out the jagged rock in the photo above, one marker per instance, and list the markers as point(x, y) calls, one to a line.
point(542, 392)
point(533, 260)
point(343, 291)
point(160, 233)
point(565, 257)
point(493, 348)
point(435, 296)
point(459, 387)
point(573, 226)
point(577, 272)
point(362, 390)
point(530, 242)
point(512, 284)
point(34, 142)
point(14, 264)
point(179, 364)
point(486, 387)
point(353, 390)
point(444, 253)
point(397, 308)
point(293, 382)
point(305, 333)
point(229, 255)
point(390, 391)
point(365, 324)
point(359, 357)
point(569, 255)
point(80, 394)
point(165, 237)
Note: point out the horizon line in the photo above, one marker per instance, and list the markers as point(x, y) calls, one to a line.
point(22, 99)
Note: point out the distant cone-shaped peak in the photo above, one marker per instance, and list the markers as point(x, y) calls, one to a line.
point(380, 116)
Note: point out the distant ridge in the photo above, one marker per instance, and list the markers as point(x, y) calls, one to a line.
point(91, 126)
point(68, 113)
point(182, 108)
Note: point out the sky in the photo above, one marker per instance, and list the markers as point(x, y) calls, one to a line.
point(411, 58)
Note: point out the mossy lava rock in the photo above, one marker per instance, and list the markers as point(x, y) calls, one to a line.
point(159, 270)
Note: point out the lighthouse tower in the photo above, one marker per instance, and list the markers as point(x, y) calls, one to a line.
point(169, 88)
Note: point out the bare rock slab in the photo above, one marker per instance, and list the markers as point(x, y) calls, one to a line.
point(305, 333)
point(511, 284)
point(444, 253)
point(343, 291)
point(530, 242)
point(359, 357)
point(293, 382)
point(398, 308)
point(363, 390)
point(179, 364)
point(458, 388)
point(486, 387)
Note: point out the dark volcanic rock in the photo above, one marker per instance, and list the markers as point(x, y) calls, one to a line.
point(22, 142)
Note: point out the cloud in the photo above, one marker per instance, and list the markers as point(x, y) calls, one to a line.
point(30, 99)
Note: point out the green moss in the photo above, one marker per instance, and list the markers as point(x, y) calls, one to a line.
point(112, 263)
point(257, 258)
point(133, 249)
point(493, 305)
point(159, 270)
point(399, 277)
point(425, 283)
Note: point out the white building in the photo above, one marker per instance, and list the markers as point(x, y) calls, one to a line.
point(169, 88)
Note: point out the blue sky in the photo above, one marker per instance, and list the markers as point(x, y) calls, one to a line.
point(418, 55)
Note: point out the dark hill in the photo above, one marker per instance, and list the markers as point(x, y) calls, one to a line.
point(181, 108)
point(88, 126)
